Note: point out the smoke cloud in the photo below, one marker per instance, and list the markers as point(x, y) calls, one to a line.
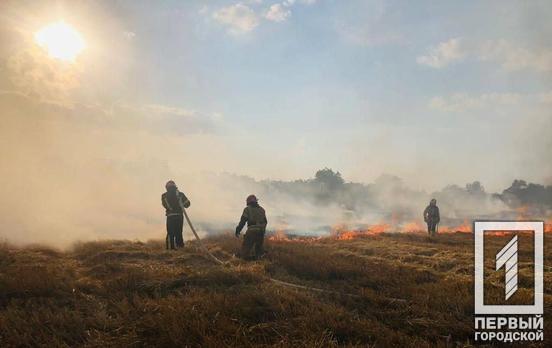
point(82, 173)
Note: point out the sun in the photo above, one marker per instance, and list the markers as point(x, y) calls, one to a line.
point(61, 41)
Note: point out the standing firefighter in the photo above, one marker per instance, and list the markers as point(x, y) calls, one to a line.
point(174, 202)
point(432, 217)
point(255, 217)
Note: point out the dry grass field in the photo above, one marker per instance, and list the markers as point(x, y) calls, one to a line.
point(384, 290)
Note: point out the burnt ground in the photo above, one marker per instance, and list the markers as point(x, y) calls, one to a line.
point(388, 290)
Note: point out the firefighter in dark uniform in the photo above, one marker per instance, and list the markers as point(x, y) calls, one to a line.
point(174, 202)
point(432, 217)
point(255, 217)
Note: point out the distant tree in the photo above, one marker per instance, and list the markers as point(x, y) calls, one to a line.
point(523, 193)
point(329, 179)
point(328, 185)
point(475, 188)
point(517, 186)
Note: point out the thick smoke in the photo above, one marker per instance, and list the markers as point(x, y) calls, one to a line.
point(81, 173)
point(327, 201)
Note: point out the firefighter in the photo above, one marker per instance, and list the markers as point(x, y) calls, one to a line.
point(432, 217)
point(255, 217)
point(174, 203)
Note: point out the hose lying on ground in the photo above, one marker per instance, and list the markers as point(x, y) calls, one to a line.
point(276, 281)
point(199, 240)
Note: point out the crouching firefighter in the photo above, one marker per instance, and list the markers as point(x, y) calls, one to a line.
point(255, 217)
point(174, 202)
point(432, 217)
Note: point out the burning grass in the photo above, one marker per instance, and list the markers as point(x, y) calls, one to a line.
point(406, 290)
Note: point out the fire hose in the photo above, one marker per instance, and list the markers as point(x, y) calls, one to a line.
point(216, 259)
point(275, 281)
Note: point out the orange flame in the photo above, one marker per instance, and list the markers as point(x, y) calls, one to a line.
point(279, 235)
point(344, 232)
point(498, 233)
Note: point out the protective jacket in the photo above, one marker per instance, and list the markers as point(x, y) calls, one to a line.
point(431, 214)
point(174, 202)
point(255, 217)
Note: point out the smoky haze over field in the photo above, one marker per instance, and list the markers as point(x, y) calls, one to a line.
point(326, 201)
point(64, 179)
point(81, 172)
point(190, 91)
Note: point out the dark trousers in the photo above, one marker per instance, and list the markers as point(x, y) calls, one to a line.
point(431, 227)
point(252, 238)
point(174, 231)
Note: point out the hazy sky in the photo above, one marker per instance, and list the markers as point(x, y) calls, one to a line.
point(434, 92)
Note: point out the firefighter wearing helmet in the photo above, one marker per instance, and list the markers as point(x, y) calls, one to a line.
point(255, 217)
point(174, 203)
point(432, 217)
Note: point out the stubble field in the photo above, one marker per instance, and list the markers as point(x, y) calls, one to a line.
point(385, 290)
